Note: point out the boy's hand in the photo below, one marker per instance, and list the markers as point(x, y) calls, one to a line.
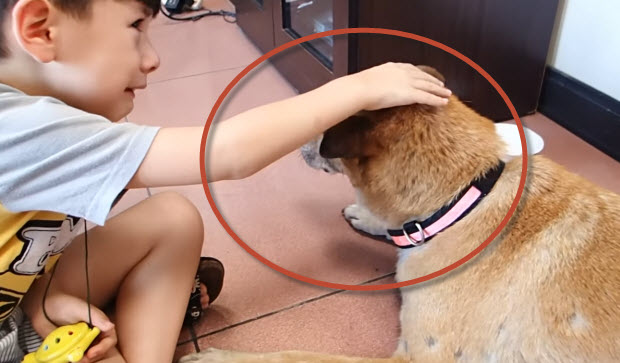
point(66, 309)
point(398, 84)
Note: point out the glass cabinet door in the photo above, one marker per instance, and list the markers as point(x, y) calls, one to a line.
point(305, 17)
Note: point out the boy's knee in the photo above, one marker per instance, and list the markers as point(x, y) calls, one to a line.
point(180, 214)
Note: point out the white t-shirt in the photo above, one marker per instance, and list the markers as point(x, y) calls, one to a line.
point(57, 164)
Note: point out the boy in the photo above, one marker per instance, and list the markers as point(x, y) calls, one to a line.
point(69, 70)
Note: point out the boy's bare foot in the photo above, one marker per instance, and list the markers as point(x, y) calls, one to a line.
point(204, 297)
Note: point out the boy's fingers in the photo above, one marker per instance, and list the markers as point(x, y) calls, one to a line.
point(427, 77)
point(420, 74)
point(107, 337)
point(416, 73)
point(101, 320)
point(99, 350)
point(432, 88)
point(430, 99)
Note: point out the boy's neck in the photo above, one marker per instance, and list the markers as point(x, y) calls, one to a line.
point(21, 74)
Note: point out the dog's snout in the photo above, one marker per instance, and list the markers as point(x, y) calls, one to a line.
point(310, 154)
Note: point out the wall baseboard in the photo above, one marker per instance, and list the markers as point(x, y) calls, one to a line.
point(583, 110)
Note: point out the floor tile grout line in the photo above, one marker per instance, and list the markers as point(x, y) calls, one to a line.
point(378, 278)
point(289, 307)
point(196, 74)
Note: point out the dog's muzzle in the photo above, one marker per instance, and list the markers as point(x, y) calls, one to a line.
point(310, 153)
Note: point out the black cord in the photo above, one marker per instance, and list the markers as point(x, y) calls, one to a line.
point(90, 320)
point(225, 14)
point(45, 295)
point(49, 282)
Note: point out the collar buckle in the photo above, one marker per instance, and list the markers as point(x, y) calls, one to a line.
point(416, 243)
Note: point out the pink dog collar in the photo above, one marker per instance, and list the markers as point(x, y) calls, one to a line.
point(416, 233)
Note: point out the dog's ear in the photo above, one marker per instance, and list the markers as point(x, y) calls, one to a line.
point(433, 72)
point(349, 139)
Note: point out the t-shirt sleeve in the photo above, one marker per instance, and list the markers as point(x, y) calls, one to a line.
point(57, 158)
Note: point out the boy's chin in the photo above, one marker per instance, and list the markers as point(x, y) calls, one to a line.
point(121, 113)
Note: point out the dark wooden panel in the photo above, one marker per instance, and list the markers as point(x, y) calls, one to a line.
point(508, 38)
point(298, 65)
point(256, 19)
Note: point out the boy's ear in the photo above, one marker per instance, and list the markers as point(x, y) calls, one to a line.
point(349, 139)
point(32, 27)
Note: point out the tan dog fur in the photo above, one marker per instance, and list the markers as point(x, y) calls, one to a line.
point(547, 289)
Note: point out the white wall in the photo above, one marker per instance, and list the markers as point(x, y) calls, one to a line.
point(586, 43)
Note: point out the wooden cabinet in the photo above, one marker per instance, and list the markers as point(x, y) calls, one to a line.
point(508, 38)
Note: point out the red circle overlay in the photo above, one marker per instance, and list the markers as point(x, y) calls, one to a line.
point(437, 273)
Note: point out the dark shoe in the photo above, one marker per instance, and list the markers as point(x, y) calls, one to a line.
point(211, 274)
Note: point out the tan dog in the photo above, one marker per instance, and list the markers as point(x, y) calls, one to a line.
point(547, 289)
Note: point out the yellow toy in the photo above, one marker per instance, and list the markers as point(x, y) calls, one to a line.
point(65, 344)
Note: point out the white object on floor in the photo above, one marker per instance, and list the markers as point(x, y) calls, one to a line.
point(510, 134)
point(197, 5)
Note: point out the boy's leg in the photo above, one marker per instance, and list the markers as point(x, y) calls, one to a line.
point(146, 258)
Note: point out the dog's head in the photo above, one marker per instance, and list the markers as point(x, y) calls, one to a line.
point(409, 161)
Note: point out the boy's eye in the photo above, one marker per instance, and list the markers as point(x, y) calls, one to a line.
point(136, 24)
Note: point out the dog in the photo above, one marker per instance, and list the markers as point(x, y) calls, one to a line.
point(546, 289)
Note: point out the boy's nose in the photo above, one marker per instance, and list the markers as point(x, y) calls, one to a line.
point(150, 59)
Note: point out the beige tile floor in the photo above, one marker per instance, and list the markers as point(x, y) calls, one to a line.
point(288, 213)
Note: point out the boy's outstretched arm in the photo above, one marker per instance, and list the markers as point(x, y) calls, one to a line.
point(246, 143)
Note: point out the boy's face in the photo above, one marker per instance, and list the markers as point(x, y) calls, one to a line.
point(103, 59)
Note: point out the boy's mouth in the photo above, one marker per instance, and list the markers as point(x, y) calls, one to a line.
point(132, 90)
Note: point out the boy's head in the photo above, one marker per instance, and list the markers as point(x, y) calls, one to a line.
point(91, 54)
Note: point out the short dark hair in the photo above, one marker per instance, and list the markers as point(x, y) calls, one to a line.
point(78, 8)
